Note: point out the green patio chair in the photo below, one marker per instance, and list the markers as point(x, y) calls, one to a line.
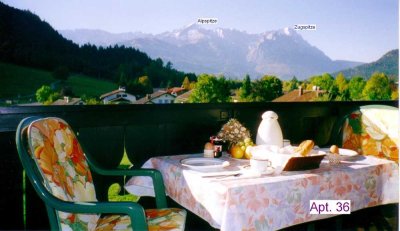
point(59, 172)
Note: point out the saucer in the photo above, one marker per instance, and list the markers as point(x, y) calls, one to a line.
point(268, 171)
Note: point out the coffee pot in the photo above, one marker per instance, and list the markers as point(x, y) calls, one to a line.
point(269, 132)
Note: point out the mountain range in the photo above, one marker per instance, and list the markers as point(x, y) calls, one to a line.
point(388, 64)
point(230, 52)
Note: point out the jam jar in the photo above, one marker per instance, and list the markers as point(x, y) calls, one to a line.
point(218, 143)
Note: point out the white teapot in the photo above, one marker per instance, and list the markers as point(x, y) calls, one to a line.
point(269, 132)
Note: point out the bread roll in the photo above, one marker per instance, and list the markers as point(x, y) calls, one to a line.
point(209, 146)
point(334, 149)
point(305, 147)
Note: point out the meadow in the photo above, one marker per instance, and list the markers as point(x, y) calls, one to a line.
point(22, 82)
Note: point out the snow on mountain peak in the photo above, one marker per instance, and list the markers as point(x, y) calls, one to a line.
point(220, 32)
point(286, 30)
point(280, 52)
point(194, 35)
point(191, 33)
point(192, 26)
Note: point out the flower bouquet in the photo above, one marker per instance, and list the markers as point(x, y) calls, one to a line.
point(239, 138)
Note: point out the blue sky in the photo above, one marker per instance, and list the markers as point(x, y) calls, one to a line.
point(357, 30)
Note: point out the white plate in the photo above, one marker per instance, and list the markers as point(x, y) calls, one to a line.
point(344, 153)
point(347, 152)
point(204, 163)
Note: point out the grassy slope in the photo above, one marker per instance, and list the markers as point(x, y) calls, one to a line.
point(89, 86)
point(17, 80)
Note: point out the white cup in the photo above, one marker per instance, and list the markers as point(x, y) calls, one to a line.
point(260, 165)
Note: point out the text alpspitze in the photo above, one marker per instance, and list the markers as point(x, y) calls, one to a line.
point(207, 20)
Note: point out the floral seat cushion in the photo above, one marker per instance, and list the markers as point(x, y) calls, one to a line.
point(373, 130)
point(64, 168)
point(62, 163)
point(158, 219)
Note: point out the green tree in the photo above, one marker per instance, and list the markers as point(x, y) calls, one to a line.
point(377, 87)
point(192, 85)
point(140, 86)
point(266, 89)
point(324, 81)
point(306, 85)
point(43, 93)
point(168, 65)
point(145, 82)
point(186, 83)
point(340, 88)
point(356, 87)
point(123, 74)
point(90, 100)
point(210, 89)
point(324, 97)
point(291, 85)
point(395, 94)
point(52, 97)
point(245, 90)
point(341, 83)
point(394, 87)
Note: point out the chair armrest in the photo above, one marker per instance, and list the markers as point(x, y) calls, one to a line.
point(158, 182)
point(134, 210)
point(337, 131)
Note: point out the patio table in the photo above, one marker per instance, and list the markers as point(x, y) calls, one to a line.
point(271, 202)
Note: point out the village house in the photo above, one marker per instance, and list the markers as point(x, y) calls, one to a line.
point(68, 101)
point(118, 97)
point(301, 95)
point(159, 97)
point(176, 91)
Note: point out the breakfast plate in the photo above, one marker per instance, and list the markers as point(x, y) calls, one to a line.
point(198, 163)
point(345, 154)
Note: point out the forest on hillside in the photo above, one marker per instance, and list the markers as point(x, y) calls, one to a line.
point(26, 40)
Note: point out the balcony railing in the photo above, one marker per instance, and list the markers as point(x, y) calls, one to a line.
point(144, 131)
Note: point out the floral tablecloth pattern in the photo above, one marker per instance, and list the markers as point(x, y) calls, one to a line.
point(271, 202)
